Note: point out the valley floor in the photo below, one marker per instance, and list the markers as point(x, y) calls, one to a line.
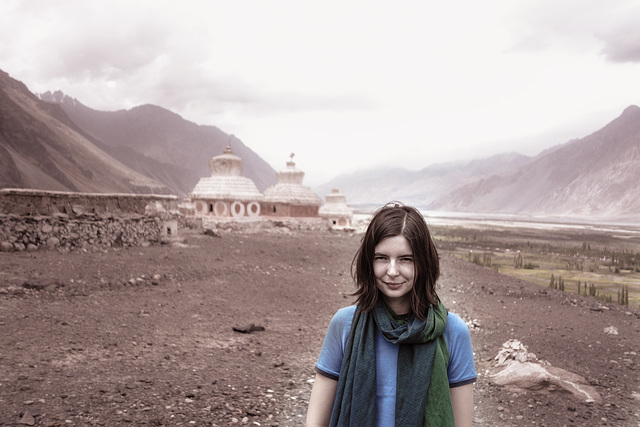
point(144, 336)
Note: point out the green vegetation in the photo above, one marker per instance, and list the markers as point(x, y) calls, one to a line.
point(600, 264)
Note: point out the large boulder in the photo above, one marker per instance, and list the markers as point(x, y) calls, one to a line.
point(516, 367)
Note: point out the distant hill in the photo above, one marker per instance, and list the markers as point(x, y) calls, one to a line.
point(597, 176)
point(161, 144)
point(41, 148)
point(421, 188)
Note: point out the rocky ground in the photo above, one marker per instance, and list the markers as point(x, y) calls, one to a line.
point(225, 331)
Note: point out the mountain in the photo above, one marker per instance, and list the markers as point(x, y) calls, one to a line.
point(421, 188)
point(161, 144)
point(41, 148)
point(597, 176)
point(63, 145)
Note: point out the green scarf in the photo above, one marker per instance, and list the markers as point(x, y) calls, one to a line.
point(422, 391)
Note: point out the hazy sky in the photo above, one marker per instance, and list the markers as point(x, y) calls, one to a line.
point(345, 85)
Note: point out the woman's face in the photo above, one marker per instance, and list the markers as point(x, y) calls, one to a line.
point(393, 266)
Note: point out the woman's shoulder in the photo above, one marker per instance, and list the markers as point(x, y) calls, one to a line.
point(341, 321)
point(345, 314)
point(455, 324)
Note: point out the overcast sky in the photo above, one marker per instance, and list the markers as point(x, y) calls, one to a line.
point(345, 85)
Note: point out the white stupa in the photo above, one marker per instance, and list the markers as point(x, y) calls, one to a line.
point(226, 193)
point(289, 198)
point(336, 211)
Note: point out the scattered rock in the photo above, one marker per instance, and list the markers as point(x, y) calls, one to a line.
point(611, 330)
point(248, 328)
point(40, 284)
point(514, 350)
point(27, 419)
point(212, 232)
point(53, 242)
point(178, 244)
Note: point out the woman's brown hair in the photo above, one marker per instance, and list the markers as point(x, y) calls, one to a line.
point(395, 219)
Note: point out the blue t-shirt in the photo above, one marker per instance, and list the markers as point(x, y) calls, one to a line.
point(460, 371)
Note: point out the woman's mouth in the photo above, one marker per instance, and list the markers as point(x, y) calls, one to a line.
point(393, 285)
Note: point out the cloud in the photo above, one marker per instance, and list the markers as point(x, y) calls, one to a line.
point(321, 78)
point(622, 42)
point(199, 56)
point(579, 26)
point(85, 41)
point(99, 50)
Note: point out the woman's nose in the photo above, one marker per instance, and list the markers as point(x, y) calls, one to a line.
point(392, 269)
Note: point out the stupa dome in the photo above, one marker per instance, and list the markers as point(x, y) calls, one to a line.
point(226, 164)
point(289, 188)
point(336, 205)
point(226, 182)
point(290, 175)
point(336, 210)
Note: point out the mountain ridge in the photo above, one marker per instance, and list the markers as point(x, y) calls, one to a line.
point(421, 188)
point(594, 176)
point(42, 149)
point(179, 148)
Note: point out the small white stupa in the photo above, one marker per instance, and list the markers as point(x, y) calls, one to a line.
point(289, 198)
point(225, 193)
point(336, 211)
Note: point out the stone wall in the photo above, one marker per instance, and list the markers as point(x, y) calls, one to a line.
point(31, 220)
point(271, 225)
point(38, 202)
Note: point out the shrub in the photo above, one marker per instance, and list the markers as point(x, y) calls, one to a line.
point(623, 296)
point(517, 260)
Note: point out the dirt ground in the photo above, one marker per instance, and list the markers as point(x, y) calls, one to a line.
point(145, 336)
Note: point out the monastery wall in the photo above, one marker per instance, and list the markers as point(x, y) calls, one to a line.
point(31, 220)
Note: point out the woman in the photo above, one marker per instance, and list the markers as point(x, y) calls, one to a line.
point(395, 358)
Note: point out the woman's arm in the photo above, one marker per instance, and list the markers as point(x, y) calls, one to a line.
point(462, 403)
point(321, 401)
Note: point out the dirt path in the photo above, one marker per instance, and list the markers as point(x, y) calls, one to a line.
point(143, 336)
